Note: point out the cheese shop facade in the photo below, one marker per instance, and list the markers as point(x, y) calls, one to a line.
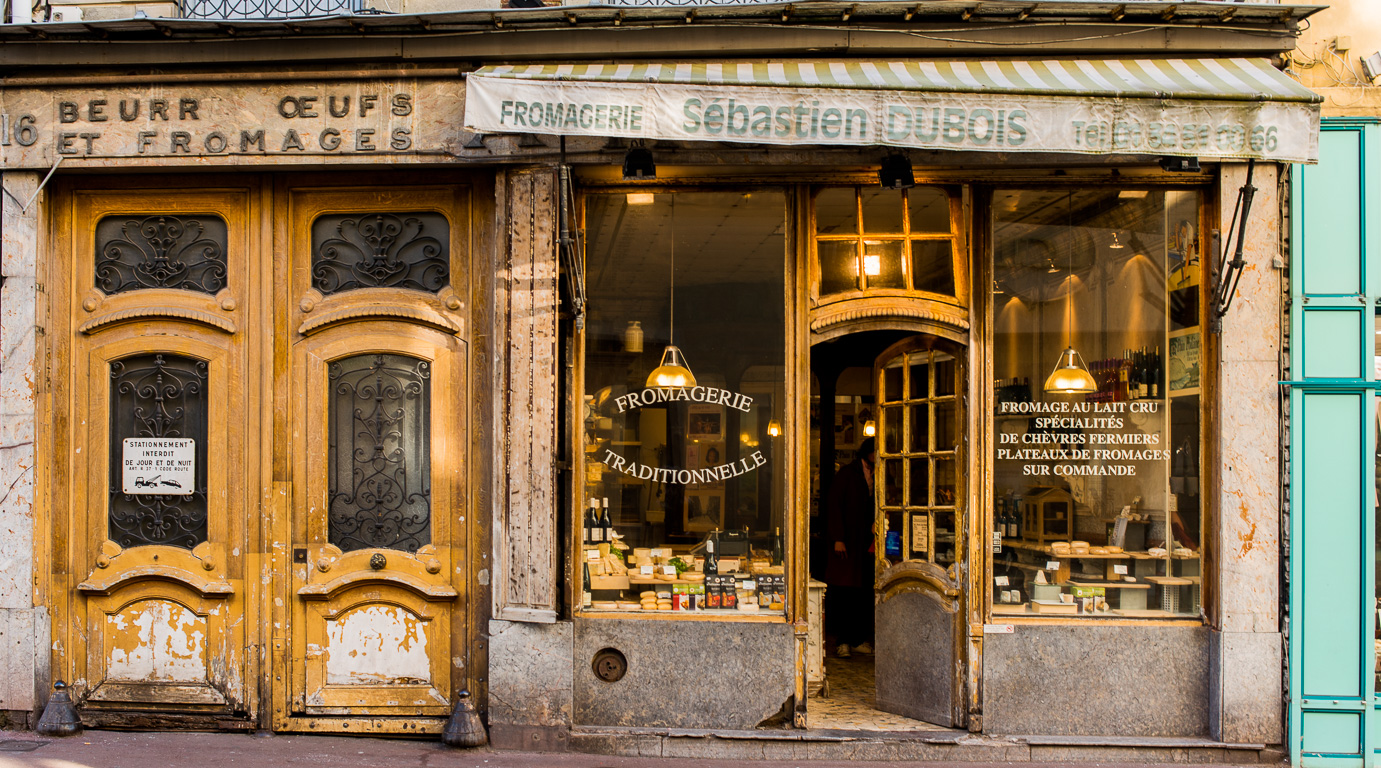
point(897, 401)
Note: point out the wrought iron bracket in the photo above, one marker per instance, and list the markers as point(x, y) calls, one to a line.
point(1229, 272)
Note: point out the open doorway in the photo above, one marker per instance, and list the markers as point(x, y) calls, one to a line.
point(886, 529)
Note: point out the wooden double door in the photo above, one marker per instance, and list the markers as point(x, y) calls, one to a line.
point(260, 423)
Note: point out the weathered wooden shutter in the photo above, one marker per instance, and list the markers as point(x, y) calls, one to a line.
point(525, 533)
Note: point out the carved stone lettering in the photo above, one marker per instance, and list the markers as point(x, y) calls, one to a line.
point(389, 120)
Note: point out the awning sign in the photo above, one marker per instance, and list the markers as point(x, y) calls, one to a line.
point(1222, 129)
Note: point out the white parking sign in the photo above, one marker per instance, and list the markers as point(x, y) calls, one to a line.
point(159, 465)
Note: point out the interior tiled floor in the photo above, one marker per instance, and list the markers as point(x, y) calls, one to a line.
point(849, 703)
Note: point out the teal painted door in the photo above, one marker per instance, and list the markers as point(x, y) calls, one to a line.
point(1334, 292)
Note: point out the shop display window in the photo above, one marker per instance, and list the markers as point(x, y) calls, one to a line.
point(683, 432)
point(1097, 340)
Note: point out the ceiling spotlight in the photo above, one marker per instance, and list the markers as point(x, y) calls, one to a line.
point(638, 164)
point(1180, 164)
point(896, 172)
point(1116, 244)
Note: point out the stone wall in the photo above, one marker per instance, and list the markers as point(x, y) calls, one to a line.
point(23, 628)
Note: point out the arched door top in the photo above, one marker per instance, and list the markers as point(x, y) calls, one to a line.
point(876, 313)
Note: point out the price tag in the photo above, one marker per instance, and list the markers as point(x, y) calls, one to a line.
point(645, 570)
point(592, 554)
point(998, 629)
point(749, 585)
point(997, 542)
point(1001, 581)
point(1052, 565)
point(668, 570)
point(1120, 570)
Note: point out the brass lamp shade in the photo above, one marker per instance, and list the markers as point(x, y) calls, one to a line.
point(1071, 376)
point(673, 372)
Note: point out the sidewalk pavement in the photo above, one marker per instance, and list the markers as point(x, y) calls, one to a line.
point(119, 749)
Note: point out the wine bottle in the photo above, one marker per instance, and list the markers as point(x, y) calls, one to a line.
point(585, 597)
point(592, 522)
point(777, 548)
point(712, 554)
point(1123, 373)
point(1156, 373)
point(1133, 378)
point(606, 525)
point(1145, 378)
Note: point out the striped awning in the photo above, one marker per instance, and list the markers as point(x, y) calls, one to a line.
point(1228, 108)
point(1228, 79)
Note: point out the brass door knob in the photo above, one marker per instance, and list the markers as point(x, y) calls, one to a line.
point(378, 561)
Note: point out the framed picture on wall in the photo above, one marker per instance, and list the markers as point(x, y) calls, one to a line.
point(704, 422)
point(704, 511)
point(847, 430)
point(1182, 363)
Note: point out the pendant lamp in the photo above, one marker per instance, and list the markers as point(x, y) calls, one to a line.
point(673, 371)
point(1071, 376)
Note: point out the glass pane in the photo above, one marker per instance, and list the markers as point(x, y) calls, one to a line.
point(183, 252)
point(379, 450)
point(891, 482)
point(673, 478)
point(1117, 276)
point(946, 487)
point(891, 417)
point(891, 382)
point(920, 378)
point(928, 209)
point(838, 266)
point(932, 266)
point(920, 483)
point(882, 264)
point(944, 375)
point(158, 404)
point(381, 250)
point(946, 426)
point(836, 212)
point(882, 211)
point(920, 428)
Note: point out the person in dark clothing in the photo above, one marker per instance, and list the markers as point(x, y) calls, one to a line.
point(849, 521)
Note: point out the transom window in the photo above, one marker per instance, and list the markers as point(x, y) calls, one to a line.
point(870, 239)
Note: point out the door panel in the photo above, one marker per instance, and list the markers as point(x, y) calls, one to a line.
point(920, 528)
point(159, 476)
point(379, 522)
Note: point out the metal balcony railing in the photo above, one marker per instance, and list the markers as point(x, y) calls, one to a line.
point(265, 9)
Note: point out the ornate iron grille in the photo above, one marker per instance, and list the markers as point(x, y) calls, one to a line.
point(266, 9)
point(380, 457)
point(158, 395)
point(381, 250)
point(186, 252)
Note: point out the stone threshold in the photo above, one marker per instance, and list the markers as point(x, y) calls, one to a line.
point(926, 745)
point(1181, 742)
point(937, 735)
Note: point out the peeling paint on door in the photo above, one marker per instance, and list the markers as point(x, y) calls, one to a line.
point(377, 645)
point(156, 641)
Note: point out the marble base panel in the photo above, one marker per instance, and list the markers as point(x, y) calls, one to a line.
point(530, 674)
point(1097, 681)
point(684, 674)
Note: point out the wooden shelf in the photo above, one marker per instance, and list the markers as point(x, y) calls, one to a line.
point(1045, 550)
point(1109, 584)
point(1171, 581)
